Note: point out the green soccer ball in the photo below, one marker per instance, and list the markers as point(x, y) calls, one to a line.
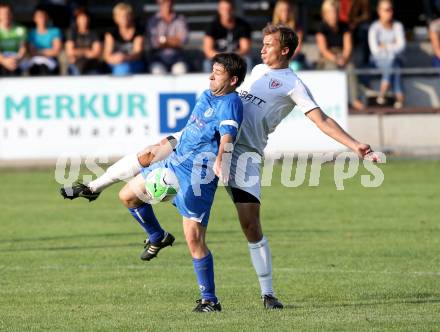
point(161, 184)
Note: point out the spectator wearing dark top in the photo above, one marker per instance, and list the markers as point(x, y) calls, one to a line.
point(12, 43)
point(335, 47)
point(227, 33)
point(357, 14)
point(124, 46)
point(167, 32)
point(83, 46)
point(45, 46)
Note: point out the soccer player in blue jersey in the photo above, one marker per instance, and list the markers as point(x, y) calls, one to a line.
point(270, 93)
point(198, 163)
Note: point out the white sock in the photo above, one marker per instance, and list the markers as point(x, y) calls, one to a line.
point(262, 261)
point(123, 169)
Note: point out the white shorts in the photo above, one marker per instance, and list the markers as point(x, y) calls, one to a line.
point(245, 172)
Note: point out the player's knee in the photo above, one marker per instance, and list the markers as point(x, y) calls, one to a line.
point(252, 229)
point(127, 199)
point(145, 157)
point(196, 246)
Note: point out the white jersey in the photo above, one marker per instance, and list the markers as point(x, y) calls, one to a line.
point(268, 96)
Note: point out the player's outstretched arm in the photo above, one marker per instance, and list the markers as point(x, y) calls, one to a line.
point(331, 128)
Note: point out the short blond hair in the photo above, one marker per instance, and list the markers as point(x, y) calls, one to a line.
point(380, 2)
point(327, 4)
point(122, 7)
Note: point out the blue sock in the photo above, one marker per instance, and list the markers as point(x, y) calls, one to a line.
point(144, 215)
point(204, 269)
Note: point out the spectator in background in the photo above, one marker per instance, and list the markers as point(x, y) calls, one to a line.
point(357, 14)
point(335, 46)
point(434, 35)
point(45, 45)
point(386, 39)
point(12, 43)
point(283, 13)
point(227, 33)
point(167, 33)
point(83, 46)
point(333, 38)
point(124, 46)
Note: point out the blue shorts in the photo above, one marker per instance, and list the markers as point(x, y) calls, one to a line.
point(194, 199)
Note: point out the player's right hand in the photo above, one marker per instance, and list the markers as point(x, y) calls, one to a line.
point(365, 152)
point(221, 172)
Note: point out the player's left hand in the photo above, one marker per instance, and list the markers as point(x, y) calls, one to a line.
point(364, 151)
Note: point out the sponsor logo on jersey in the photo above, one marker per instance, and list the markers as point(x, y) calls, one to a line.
point(274, 84)
point(250, 98)
point(196, 121)
point(208, 113)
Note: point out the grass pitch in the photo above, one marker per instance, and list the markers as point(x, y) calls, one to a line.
point(358, 259)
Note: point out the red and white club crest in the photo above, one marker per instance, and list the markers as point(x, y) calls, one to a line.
point(274, 84)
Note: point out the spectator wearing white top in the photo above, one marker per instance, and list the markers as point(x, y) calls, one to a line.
point(386, 39)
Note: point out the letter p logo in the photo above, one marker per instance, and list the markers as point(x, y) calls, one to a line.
point(175, 109)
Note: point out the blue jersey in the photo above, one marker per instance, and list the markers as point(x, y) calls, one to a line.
point(212, 117)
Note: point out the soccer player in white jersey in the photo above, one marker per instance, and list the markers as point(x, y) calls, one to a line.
point(269, 94)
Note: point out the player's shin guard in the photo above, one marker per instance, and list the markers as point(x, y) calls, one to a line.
point(262, 261)
point(144, 215)
point(123, 169)
point(204, 269)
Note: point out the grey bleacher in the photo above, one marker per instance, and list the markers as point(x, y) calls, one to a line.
point(422, 87)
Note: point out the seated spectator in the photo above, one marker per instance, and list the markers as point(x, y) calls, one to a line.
point(124, 46)
point(386, 39)
point(45, 46)
point(357, 14)
point(227, 33)
point(167, 33)
point(283, 13)
point(335, 47)
point(333, 39)
point(12, 43)
point(434, 35)
point(83, 46)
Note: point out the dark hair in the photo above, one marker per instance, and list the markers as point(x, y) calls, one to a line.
point(81, 11)
point(233, 64)
point(41, 8)
point(288, 37)
point(6, 5)
point(231, 2)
